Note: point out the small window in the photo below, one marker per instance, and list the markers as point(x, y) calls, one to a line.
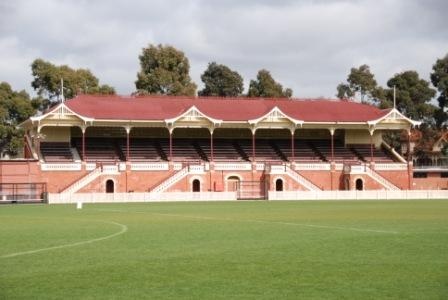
point(420, 175)
point(444, 174)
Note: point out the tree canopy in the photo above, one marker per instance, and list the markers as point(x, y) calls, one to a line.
point(47, 81)
point(439, 78)
point(164, 70)
point(359, 81)
point(15, 107)
point(413, 95)
point(266, 86)
point(220, 80)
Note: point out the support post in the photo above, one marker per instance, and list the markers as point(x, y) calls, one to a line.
point(332, 165)
point(292, 147)
point(171, 145)
point(211, 146)
point(408, 158)
point(253, 146)
point(128, 131)
point(332, 143)
point(83, 129)
point(371, 146)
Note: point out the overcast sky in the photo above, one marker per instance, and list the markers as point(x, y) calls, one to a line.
point(308, 46)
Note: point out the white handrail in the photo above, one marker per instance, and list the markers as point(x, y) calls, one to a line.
point(301, 180)
point(171, 181)
point(83, 181)
point(381, 180)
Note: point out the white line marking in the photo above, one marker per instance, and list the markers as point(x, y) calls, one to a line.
point(259, 221)
point(123, 229)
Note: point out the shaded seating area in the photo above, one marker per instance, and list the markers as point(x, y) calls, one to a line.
point(379, 155)
point(223, 150)
point(182, 149)
point(142, 150)
point(99, 150)
point(341, 152)
point(56, 152)
point(303, 153)
point(264, 150)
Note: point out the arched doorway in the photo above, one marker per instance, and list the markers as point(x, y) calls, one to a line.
point(196, 185)
point(279, 185)
point(359, 184)
point(233, 183)
point(109, 186)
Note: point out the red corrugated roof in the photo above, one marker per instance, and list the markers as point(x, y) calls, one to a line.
point(226, 109)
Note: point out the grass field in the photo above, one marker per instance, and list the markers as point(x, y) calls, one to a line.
point(228, 250)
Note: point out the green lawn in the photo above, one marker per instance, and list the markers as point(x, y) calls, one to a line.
point(228, 250)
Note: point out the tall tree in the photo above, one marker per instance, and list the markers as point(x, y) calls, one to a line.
point(47, 81)
point(360, 81)
point(266, 86)
point(439, 78)
point(164, 70)
point(220, 80)
point(413, 95)
point(15, 107)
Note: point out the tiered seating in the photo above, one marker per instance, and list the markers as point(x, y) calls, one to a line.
point(56, 152)
point(341, 153)
point(99, 150)
point(379, 155)
point(183, 149)
point(303, 153)
point(141, 150)
point(223, 150)
point(263, 150)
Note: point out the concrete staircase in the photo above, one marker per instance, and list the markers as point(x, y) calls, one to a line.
point(301, 180)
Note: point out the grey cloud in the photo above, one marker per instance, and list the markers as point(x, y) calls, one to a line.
point(307, 45)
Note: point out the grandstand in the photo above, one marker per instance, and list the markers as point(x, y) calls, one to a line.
point(168, 144)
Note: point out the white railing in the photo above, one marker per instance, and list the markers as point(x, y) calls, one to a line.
point(338, 166)
point(170, 181)
point(358, 169)
point(177, 166)
point(83, 181)
point(381, 180)
point(110, 169)
point(60, 167)
point(359, 195)
point(223, 196)
point(278, 169)
point(259, 166)
point(391, 167)
point(233, 166)
point(393, 152)
point(196, 169)
point(90, 166)
point(139, 197)
point(301, 180)
point(149, 166)
point(312, 167)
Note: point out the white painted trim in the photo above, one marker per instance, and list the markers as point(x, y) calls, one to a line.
point(61, 106)
point(278, 110)
point(195, 109)
point(393, 111)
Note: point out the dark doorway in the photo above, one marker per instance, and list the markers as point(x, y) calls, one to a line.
point(109, 186)
point(359, 185)
point(279, 185)
point(196, 185)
